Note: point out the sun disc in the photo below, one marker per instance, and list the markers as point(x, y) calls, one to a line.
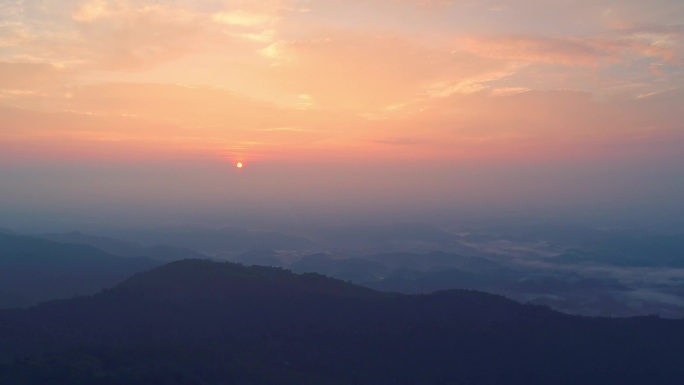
point(239, 165)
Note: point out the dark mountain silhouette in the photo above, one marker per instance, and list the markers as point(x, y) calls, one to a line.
point(567, 290)
point(34, 270)
point(123, 248)
point(203, 322)
point(11, 300)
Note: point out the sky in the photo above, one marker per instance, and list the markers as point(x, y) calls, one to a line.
point(122, 108)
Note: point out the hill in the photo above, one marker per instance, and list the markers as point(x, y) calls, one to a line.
point(123, 248)
point(34, 270)
point(215, 241)
point(203, 322)
point(6, 231)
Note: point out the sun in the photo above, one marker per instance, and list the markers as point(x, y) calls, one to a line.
point(239, 165)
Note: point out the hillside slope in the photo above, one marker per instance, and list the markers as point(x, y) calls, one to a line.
point(34, 270)
point(203, 322)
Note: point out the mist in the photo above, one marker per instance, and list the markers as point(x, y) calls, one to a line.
point(269, 194)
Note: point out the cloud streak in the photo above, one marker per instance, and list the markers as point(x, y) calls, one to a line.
point(305, 79)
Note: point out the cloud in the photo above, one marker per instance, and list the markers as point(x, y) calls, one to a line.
point(37, 137)
point(665, 42)
point(348, 75)
point(486, 126)
point(167, 119)
point(189, 106)
point(90, 11)
point(29, 75)
point(126, 35)
point(543, 125)
point(243, 18)
point(366, 72)
point(662, 43)
point(506, 91)
point(256, 22)
point(131, 37)
point(565, 51)
point(400, 141)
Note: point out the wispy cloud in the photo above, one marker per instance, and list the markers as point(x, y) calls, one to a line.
point(341, 75)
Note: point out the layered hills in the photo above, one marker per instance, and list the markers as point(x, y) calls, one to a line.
point(204, 322)
point(33, 270)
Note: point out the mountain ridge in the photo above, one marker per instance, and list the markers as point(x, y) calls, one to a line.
point(123, 248)
point(219, 322)
point(36, 269)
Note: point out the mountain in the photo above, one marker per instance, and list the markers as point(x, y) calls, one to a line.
point(540, 280)
point(265, 257)
point(626, 249)
point(390, 237)
point(11, 300)
point(580, 243)
point(6, 231)
point(204, 322)
point(34, 270)
point(216, 241)
point(357, 270)
point(415, 282)
point(123, 248)
point(435, 260)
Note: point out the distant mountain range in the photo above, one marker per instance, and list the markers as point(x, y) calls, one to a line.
point(390, 237)
point(40, 267)
point(588, 289)
point(582, 244)
point(573, 268)
point(215, 241)
point(203, 322)
point(6, 231)
point(123, 248)
point(33, 270)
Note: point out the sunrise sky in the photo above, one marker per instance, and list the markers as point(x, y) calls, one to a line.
point(114, 105)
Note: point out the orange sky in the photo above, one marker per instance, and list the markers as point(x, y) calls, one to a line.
point(381, 82)
point(283, 79)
